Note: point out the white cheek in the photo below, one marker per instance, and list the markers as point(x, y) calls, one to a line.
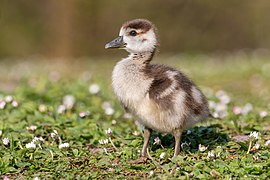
point(148, 41)
point(141, 43)
point(132, 45)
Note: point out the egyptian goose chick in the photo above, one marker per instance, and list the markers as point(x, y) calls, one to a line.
point(162, 98)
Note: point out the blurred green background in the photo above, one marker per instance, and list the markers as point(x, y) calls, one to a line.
point(219, 44)
point(80, 28)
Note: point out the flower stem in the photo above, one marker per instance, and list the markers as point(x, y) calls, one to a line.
point(115, 148)
point(51, 154)
point(249, 147)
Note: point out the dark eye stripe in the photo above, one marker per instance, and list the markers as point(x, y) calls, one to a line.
point(133, 33)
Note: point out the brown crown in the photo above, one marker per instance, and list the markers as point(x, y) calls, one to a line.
point(142, 24)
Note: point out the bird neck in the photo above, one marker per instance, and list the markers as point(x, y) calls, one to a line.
point(143, 57)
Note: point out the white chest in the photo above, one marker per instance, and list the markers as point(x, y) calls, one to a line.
point(129, 83)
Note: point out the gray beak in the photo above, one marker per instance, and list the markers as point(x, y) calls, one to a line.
point(116, 43)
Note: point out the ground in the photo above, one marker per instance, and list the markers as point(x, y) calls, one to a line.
point(61, 120)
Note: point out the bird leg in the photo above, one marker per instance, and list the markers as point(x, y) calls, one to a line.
point(143, 155)
point(147, 134)
point(177, 136)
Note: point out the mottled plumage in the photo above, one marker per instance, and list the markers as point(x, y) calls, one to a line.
point(161, 97)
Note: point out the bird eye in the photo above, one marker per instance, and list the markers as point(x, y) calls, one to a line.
point(133, 33)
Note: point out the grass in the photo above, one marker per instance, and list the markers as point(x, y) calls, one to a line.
point(40, 87)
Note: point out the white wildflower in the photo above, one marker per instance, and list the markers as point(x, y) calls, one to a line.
point(220, 110)
point(36, 178)
point(61, 109)
point(162, 155)
point(221, 107)
point(82, 114)
point(1, 132)
point(41, 139)
point(94, 88)
point(220, 114)
point(136, 133)
point(100, 141)
point(38, 139)
point(151, 173)
point(54, 134)
point(105, 141)
point(14, 103)
point(107, 108)
point(263, 114)
point(188, 132)
point(257, 146)
point(212, 104)
point(157, 141)
point(210, 154)
point(42, 108)
point(247, 108)
point(202, 148)
point(31, 145)
point(267, 143)
point(2, 104)
point(109, 111)
point(237, 110)
point(223, 97)
point(8, 98)
point(5, 141)
point(64, 145)
point(108, 131)
point(184, 145)
point(31, 128)
point(69, 101)
point(215, 115)
point(113, 122)
point(254, 134)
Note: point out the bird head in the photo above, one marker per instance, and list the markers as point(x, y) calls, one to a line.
point(136, 36)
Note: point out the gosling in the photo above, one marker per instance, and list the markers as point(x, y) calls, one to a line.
point(162, 98)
